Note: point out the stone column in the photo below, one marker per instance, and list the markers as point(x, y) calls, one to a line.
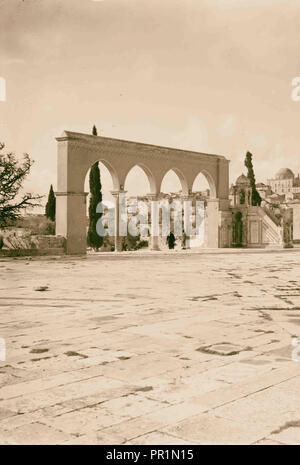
point(186, 220)
point(154, 231)
point(71, 220)
point(234, 196)
point(212, 223)
point(118, 218)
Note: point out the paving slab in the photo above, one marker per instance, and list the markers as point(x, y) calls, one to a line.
point(151, 348)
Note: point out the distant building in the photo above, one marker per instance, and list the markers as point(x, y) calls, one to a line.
point(295, 205)
point(263, 190)
point(285, 183)
point(241, 192)
point(267, 225)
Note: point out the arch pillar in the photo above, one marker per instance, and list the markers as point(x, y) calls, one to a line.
point(212, 223)
point(71, 206)
point(154, 231)
point(186, 213)
point(218, 218)
point(118, 219)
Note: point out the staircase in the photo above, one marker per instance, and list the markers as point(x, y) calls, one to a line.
point(271, 215)
point(272, 230)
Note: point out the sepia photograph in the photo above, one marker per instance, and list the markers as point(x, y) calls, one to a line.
point(149, 225)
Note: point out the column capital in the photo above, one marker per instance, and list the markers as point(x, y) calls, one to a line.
point(153, 196)
point(116, 193)
point(154, 230)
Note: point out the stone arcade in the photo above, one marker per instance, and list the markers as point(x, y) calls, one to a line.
point(78, 152)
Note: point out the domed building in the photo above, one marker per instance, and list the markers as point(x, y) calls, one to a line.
point(285, 183)
point(263, 190)
point(259, 225)
point(242, 179)
point(284, 173)
point(241, 192)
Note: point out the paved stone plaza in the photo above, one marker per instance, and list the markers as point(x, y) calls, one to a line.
point(151, 348)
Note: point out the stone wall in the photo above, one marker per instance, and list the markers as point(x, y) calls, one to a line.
point(296, 222)
point(262, 229)
point(48, 242)
point(20, 241)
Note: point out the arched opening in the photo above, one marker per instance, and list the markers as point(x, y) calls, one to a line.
point(174, 182)
point(237, 230)
point(201, 186)
point(204, 185)
point(173, 188)
point(108, 182)
point(201, 192)
point(138, 184)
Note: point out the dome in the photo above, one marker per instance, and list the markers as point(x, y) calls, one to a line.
point(242, 179)
point(285, 173)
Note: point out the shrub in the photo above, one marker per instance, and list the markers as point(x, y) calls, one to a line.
point(50, 228)
point(133, 243)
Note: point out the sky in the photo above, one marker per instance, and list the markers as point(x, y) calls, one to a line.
point(212, 76)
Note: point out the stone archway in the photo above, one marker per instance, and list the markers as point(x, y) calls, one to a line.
point(181, 178)
point(78, 152)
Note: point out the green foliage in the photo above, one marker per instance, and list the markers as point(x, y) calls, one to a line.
point(36, 224)
point(50, 208)
point(237, 230)
point(242, 197)
point(12, 175)
point(108, 243)
point(40, 226)
point(50, 229)
point(256, 198)
point(238, 216)
point(133, 242)
point(93, 239)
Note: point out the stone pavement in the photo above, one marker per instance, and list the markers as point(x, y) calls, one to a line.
point(178, 348)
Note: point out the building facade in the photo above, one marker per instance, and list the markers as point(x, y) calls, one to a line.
point(285, 183)
point(258, 226)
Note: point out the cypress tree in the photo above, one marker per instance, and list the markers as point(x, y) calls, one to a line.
point(256, 198)
point(51, 205)
point(93, 239)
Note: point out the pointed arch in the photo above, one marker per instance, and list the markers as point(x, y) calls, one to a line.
point(180, 176)
point(148, 173)
point(210, 181)
point(112, 171)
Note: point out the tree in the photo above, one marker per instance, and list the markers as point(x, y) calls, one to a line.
point(242, 196)
point(12, 175)
point(256, 198)
point(93, 239)
point(51, 205)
